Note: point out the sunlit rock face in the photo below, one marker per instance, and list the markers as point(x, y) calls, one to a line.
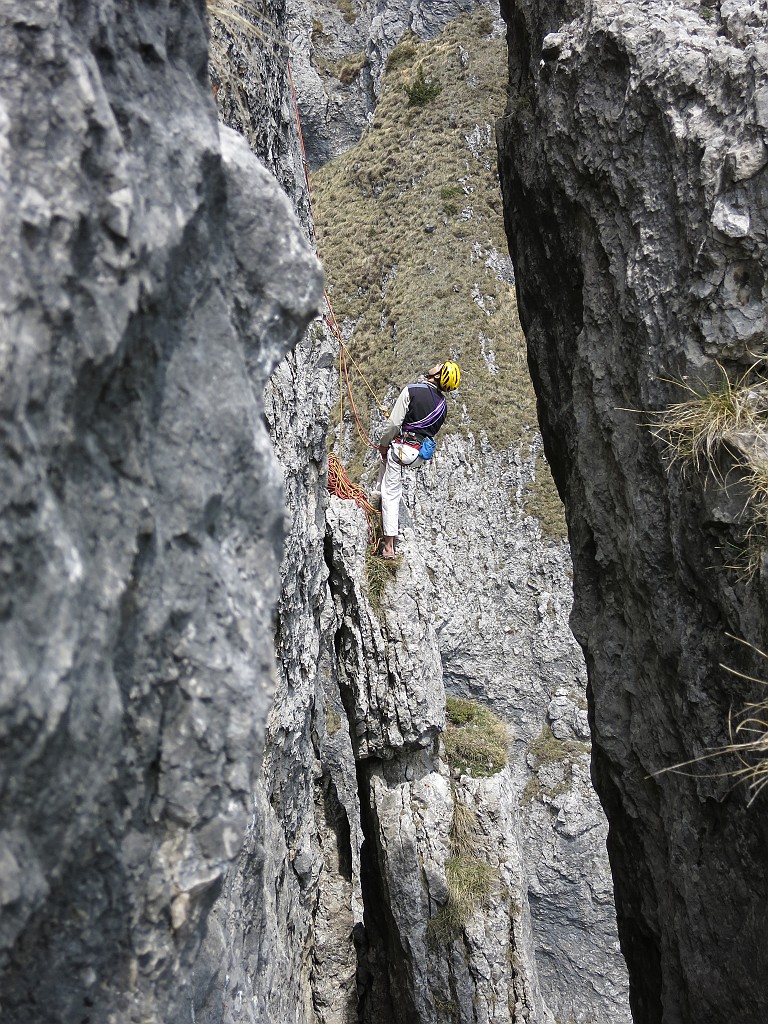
point(153, 276)
point(633, 160)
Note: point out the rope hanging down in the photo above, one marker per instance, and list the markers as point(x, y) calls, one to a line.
point(330, 319)
point(338, 481)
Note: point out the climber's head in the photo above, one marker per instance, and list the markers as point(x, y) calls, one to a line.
point(446, 376)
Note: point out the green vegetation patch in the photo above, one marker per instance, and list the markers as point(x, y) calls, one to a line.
point(378, 573)
point(463, 830)
point(403, 53)
point(406, 223)
point(346, 70)
point(476, 741)
point(728, 416)
point(548, 749)
point(347, 9)
point(420, 92)
point(469, 882)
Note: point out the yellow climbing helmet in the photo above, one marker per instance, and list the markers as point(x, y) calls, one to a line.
point(450, 376)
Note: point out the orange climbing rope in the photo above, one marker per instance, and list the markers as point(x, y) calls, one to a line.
point(340, 485)
point(338, 481)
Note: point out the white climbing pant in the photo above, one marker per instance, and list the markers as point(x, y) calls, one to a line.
point(399, 457)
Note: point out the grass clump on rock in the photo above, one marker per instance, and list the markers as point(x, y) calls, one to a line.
point(401, 54)
point(547, 749)
point(726, 418)
point(475, 739)
point(748, 732)
point(347, 10)
point(378, 573)
point(469, 884)
point(347, 69)
point(713, 416)
point(468, 875)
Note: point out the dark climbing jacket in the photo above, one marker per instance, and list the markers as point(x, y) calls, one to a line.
point(427, 410)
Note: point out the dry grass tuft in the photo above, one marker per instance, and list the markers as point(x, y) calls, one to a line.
point(756, 543)
point(476, 741)
point(713, 416)
point(547, 749)
point(378, 573)
point(347, 10)
point(730, 416)
point(463, 831)
point(469, 882)
point(403, 53)
point(346, 70)
point(748, 732)
point(236, 26)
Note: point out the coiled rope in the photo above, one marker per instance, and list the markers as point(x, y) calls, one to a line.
point(340, 485)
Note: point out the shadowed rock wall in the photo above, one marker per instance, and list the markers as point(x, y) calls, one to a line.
point(634, 167)
point(153, 276)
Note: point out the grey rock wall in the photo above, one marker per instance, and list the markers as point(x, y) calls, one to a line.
point(633, 159)
point(500, 603)
point(412, 966)
point(154, 275)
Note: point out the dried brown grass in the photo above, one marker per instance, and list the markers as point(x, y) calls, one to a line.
point(748, 733)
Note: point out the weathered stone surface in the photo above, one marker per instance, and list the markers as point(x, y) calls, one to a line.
point(500, 598)
point(502, 594)
point(389, 671)
point(412, 966)
point(632, 160)
point(144, 257)
point(483, 970)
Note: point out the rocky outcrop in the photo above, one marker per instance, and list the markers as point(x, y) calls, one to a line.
point(154, 274)
point(634, 166)
point(417, 962)
point(480, 515)
point(502, 594)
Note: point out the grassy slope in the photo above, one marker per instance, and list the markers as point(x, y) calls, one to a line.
point(406, 263)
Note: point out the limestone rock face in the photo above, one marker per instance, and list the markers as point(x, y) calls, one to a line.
point(635, 173)
point(391, 705)
point(153, 276)
point(501, 599)
point(416, 959)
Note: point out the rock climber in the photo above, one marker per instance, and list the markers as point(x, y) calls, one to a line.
point(418, 414)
